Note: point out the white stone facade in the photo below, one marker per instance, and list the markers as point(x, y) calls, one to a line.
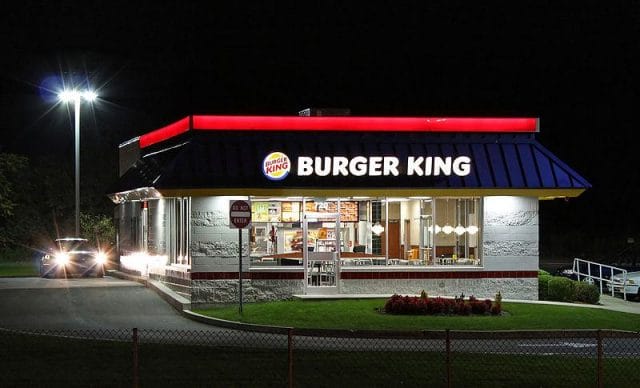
point(509, 237)
point(214, 245)
point(226, 291)
point(510, 288)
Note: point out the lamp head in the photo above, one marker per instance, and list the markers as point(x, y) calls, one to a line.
point(73, 95)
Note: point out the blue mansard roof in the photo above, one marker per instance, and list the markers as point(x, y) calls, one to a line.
point(232, 163)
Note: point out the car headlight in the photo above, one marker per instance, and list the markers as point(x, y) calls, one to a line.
point(631, 282)
point(101, 258)
point(62, 258)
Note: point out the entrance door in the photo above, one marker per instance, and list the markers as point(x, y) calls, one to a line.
point(321, 259)
point(393, 230)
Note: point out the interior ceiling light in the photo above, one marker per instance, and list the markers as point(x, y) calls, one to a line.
point(460, 230)
point(377, 229)
point(472, 229)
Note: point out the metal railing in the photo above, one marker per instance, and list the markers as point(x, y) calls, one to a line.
point(592, 271)
point(319, 358)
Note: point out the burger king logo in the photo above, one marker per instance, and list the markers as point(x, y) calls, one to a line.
point(276, 166)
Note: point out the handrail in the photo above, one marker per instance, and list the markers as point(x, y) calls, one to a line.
point(590, 276)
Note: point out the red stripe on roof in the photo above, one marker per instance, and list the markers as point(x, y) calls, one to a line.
point(164, 133)
point(342, 123)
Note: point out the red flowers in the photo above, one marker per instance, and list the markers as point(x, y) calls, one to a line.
point(423, 305)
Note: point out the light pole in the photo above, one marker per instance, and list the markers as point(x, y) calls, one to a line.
point(75, 96)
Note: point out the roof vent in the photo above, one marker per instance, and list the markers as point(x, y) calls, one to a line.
point(325, 112)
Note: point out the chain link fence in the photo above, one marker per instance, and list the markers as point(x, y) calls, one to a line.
point(319, 358)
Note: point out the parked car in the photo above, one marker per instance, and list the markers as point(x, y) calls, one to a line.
point(73, 256)
point(631, 286)
point(567, 272)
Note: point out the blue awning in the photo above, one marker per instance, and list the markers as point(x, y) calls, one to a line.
point(231, 163)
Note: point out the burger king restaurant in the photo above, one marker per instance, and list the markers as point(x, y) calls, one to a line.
point(337, 205)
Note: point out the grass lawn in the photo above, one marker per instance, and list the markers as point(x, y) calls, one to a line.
point(18, 268)
point(363, 314)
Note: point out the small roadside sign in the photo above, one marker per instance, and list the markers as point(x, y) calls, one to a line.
point(239, 214)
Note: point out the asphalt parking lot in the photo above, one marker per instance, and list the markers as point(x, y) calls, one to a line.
point(86, 303)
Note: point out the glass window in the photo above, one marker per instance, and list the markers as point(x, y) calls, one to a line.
point(455, 231)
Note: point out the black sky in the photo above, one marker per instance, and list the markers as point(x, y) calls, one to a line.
point(573, 64)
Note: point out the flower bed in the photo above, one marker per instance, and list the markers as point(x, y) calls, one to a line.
point(423, 305)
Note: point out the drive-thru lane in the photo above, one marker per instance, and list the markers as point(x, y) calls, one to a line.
point(86, 303)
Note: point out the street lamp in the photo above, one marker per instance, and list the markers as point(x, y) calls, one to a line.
point(76, 96)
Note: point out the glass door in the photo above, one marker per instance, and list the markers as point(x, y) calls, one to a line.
point(321, 234)
point(427, 231)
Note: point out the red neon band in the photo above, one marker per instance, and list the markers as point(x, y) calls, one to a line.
point(341, 123)
point(164, 133)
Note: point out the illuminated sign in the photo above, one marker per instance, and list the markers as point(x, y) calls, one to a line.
point(276, 166)
point(368, 166)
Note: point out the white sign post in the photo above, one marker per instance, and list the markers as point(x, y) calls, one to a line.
point(239, 218)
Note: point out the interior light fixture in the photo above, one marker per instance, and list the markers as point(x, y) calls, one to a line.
point(472, 229)
point(460, 230)
point(377, 229)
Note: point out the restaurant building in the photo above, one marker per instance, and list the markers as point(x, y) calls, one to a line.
point(339, 205)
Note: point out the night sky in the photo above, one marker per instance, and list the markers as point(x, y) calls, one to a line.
point(573, 64)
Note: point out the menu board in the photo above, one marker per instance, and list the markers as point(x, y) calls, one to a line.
point(274, 211)
point(259, 211)
point(348, 209)
point(290, 211)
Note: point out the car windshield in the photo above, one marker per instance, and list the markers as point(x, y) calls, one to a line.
point(68, 245)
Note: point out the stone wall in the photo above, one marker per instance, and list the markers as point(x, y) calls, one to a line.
point(226, 291)
point(214, 246)
point(510, 288)
point(510, 236)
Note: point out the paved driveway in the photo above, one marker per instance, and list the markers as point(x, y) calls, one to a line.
point(109, 303)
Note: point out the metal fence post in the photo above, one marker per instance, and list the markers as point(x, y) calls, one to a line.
point(600, 360)
point(448, 356)
point(135, 357)
point(290, 353)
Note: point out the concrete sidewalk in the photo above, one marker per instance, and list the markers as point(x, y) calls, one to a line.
point(607, 302)
point(618, 304)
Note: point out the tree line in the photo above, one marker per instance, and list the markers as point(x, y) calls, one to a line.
point(37, 204)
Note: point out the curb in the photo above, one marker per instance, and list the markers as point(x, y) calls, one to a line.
point(235, 325)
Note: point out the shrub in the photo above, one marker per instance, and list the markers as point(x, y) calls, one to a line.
point(437, 306)
point(561, 289)
point(478, 306)
point(398, 304)
point(543, 286)
point(586, 293)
